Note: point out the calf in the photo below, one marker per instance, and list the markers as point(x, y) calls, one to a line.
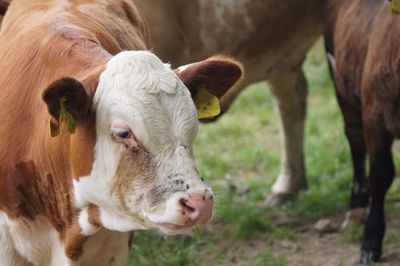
point(270, 37)
point(96, 141)
point(362, 43)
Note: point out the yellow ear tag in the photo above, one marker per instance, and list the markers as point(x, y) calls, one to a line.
point(65, 120)
point(54, 128)
point(207, 104)
point(395, 6)
point(65, 117)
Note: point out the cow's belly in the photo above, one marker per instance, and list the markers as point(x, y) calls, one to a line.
point(27, 242)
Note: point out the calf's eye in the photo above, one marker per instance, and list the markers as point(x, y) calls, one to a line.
point(121, 132)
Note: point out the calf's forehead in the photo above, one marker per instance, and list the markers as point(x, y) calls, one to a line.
point(136, 88)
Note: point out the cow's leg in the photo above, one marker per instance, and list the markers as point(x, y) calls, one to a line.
point(290, 90)
point(379, 144)
point(355, 136)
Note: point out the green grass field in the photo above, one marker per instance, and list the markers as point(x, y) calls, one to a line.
point(239, 156)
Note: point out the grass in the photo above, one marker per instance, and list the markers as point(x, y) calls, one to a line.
point(152, 249)
point(240, 157)
point(266, 258)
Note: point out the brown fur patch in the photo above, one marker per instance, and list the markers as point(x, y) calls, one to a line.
point(366, 59)
point(363, 37)
point(94, 215)
point(82, 147)
point(34, 194)
point(61, 43)
point(74, 241)
point(134, 166)
point(26, 197)
point(218, 74)
point(43, 41)
point(36, 170)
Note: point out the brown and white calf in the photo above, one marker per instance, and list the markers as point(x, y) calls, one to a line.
point(362, 42)
point(96, 133)
point(270, 37)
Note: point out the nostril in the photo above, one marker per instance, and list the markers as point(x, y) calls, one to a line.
point(197, 207)
point(184, 203)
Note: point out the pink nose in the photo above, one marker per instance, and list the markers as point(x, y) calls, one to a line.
point(198, 208)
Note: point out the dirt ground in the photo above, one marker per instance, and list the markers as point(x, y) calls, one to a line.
point(309, 248)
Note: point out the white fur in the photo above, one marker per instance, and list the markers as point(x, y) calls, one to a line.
point(137, 88)
point(178, 161)
point(8, 253)
point(26, 242)
point(109, 220)
point(120, 223)
point(34, 240)
point(171, 210)
point(87, 228)
point(290, 91)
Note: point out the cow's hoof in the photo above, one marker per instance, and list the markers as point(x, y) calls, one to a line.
point(369, 256)
point(371, 251)
point(354, 217)
point(274, 200)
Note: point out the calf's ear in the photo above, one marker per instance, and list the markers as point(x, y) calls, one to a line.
point(67, 102)
point(209, 81)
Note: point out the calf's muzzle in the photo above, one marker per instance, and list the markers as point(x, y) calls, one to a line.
point(198, 207)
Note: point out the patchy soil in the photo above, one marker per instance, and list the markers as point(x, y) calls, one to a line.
point(309, 248)
point(329, 250)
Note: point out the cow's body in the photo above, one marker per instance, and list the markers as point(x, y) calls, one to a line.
point(270, 37)
point(33, 67)
point(73, 199)
point(363, 47)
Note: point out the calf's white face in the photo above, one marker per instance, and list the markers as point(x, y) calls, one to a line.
point(146, 122)
point(144, 174)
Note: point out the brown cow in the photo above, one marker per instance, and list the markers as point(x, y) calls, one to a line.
point(362, 42)
point(270, 37)
point(95, 141)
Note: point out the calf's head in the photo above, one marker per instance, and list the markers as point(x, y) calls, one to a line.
point(143, 174)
